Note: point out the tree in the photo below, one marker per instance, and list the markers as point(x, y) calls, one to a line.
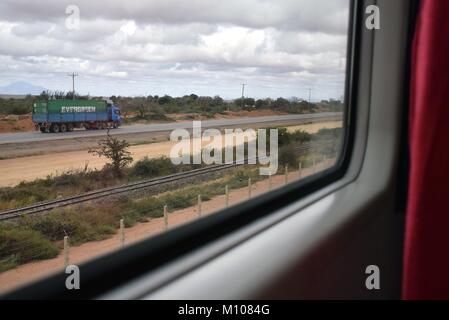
point(260, 104)
point(165, 100)
point(281, 103)
point(143, 112)
point(45, 95)
point(249, 102)
point(114, 150)
point(217, 101)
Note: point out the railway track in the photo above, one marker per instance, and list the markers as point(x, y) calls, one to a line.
point(110, 191)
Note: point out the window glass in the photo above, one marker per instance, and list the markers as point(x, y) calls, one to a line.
point(121, 120)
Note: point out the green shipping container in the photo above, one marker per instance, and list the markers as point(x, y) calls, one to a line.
point(70, 111)
point(65, 115)
point(40, 107)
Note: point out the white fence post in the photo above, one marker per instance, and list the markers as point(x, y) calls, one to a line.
point(66, 251)
point(270, 182)
point(286, 173)
point(299, 170)
point(249, 188)
point(226, 196)
point(122, 233)
point(166, 217)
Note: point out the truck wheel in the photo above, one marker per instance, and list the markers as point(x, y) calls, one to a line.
point(63, 128)
point(54, 128)
point(70, 127)
point(43, 129)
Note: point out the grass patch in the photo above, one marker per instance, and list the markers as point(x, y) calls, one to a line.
point(20, 245)
point(81, 224)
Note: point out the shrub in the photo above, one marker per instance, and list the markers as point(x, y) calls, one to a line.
point(301, 136)
point(287, 156)
point(81, 226)
point(329, 134)
point(53, 226)
point(153, 167)
point(149, 207)
point(178, 200)
point(16, 106)
point(116, 151)
point(18, 246)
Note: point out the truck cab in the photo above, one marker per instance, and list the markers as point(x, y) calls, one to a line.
point(113, 113)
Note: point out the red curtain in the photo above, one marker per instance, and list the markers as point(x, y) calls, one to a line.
point(426, 252)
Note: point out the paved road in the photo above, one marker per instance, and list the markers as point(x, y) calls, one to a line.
point(138, 128)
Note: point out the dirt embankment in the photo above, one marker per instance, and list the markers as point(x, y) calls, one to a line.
point(14, 123)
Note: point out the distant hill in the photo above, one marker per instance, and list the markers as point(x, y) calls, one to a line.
point(21, 88)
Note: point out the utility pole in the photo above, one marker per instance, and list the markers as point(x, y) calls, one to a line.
point(310, 95)
point(73, 75)
point(243, 95)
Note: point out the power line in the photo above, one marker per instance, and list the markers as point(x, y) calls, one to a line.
point(310, 95)
point(243, 94)
point(73, 75)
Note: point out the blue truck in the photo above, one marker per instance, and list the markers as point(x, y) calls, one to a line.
point(65, 115)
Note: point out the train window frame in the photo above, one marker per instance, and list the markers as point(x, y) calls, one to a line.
point(102, 275)
point(322, 249)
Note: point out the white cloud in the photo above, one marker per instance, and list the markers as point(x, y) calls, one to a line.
point(175, 46)
point(129, 28)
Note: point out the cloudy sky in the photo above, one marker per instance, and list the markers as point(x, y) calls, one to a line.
point(156, 47)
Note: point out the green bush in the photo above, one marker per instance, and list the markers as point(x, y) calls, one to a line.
point(328, 141)
point(153, 167)
point(81, 226)
point(178, 200)
point(288, 156)
point(16, 106)
point(18, 246)
point(53, 226)
point(329, 134)
point(301, 136)
point(148, 207)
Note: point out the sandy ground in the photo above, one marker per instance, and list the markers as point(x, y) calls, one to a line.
point(35, 270)
point(14, 171)
point(315, 127)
